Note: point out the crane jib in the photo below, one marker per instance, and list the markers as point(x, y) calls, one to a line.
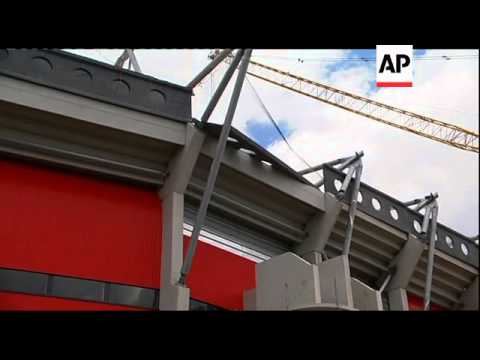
point(427, 127)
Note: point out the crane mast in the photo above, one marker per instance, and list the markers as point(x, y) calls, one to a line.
point(427, 127)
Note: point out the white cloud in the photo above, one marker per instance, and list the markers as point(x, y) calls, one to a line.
point(401, 164)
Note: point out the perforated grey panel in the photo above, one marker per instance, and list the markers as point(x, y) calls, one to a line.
point(406, 218)
point(90, 78)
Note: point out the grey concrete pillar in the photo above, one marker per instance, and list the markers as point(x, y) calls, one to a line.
point(397, 299)
point(319, 229)
point(250, 300)
point(335, 281)
point(285, 282)
point(366, 298)
point(469, 299)
point(405, 263)
point(172, 296)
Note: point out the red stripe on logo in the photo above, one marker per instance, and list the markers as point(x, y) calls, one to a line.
point(394, 84)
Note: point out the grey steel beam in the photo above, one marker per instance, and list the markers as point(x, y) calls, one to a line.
point(469, 299)
point(431, 253)
point(134, 61)
point(88, 78)
point(405, 263)
point(319, 228)
point(81, 161)
point(74, 107)
point(246, 165)
point(398, 300)
point(221, 87)
point(320, 167)
point(128, 54)
point(353, 208)
point(427, 201)
point(250, 219)
point(209, 68)
point(349, 161)
point(215, 166)
point(172, 295)
point(346, 181)
point(252, 215)
point(180, 168)
point(172, 243)
point(122, 58)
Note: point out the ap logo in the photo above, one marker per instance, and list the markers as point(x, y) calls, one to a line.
point(394, 65)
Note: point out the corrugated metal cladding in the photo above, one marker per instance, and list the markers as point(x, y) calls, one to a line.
point(77, 226)
point(74, 225)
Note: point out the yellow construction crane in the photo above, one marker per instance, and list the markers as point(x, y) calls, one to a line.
point(406, 120)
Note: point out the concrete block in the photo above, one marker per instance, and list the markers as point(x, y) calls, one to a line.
point(174, 297)
point(320, 227)
point(364, 297)
point(335, 281)
point(250, 300)
point(285, 282)
point(398, 300)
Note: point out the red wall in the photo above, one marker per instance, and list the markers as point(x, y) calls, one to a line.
point(219, 277)
point(74, 225)
point(416, 303)
point(68, 224)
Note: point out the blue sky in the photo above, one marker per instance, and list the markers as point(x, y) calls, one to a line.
point(264, 132)
point(403, 165)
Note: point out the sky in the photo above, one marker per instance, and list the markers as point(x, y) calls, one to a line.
point(401, 164)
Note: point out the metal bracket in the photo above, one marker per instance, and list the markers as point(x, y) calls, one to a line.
point(355, 166)
point(129, 55)
point(430, 218)
point(216, 161)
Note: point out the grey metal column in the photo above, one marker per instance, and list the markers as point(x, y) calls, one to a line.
point(221, 87)
point(353, 209)
point(469, 299)
point(128, 54)
point(215, 166)
point(134, 61)
point(320, 167)
point(346, 181)
point(197, 79)
point(431, 254)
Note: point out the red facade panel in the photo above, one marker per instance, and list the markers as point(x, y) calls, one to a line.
point(416, 303)
point(220, 277)
point(68, 224)
point(73, 225)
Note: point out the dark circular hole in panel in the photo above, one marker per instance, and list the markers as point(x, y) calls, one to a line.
point(82, 75)
point(41, 65)
point(121, 87)
point(157, 97)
